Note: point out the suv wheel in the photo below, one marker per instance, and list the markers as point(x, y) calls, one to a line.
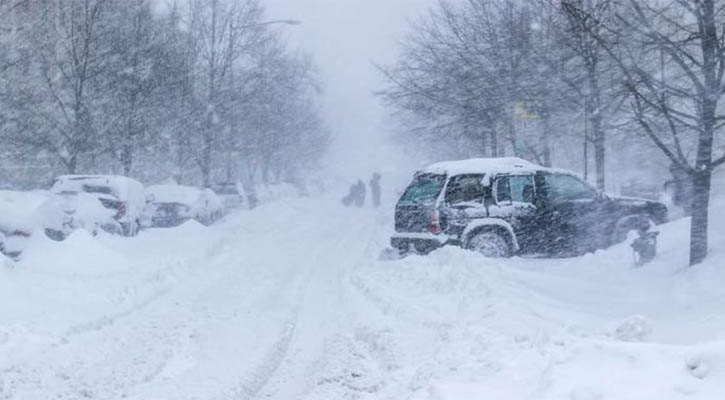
point(490, 244)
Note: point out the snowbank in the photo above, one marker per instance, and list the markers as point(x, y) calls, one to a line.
point(460, 326)
point(267, 193)
point(290, 301)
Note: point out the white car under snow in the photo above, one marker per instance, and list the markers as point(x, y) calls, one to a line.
point(122, 197)
point(171, 205)
point(25, 214)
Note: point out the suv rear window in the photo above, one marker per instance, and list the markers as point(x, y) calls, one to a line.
point(424, 189)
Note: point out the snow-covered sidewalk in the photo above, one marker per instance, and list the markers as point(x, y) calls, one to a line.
point(291, 301)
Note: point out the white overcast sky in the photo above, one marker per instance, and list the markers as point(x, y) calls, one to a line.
point(346, 37)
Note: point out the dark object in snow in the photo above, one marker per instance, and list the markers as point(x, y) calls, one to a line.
point(252, 199)
point(356, 196)
point(505, 206)
point(361, 192)
point(375, 190)
point(645, 246)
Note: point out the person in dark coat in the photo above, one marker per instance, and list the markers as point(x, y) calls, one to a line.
point(348, 200)
point(360, 193)
point(375, 190)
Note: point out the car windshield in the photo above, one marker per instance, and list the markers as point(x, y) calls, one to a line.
point(424, 189)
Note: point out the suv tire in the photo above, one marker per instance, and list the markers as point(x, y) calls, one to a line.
point(490, 244)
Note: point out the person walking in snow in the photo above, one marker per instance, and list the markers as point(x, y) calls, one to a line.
point(375, 190)
point(348, 200)
point(360, 192)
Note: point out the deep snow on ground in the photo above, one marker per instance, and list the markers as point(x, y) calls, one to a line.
point(291, 301)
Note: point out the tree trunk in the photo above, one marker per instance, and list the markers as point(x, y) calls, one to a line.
point(545, 140)
point(699, 224)
point(485, 146)
point(494, 142)
point(127, 158)
point(599, 152)
point(206, 159)
point(703, 169)
point(71, 165)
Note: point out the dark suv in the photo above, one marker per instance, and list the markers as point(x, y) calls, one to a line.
point(506, 206)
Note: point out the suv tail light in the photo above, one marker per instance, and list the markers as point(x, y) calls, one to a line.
point(20, 233)
point(119, 206)
point(435, 223)
point(121, 210)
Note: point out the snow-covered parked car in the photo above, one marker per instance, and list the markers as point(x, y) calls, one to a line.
point(172, 205)
point(506, 206)
point(87, 212)
point(25, 214)
point(122, 196)
point(231, 194)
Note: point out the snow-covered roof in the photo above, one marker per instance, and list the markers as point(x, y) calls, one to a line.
point(485, 165)
point(29, 210)
point(174, 194)
point(121, 185)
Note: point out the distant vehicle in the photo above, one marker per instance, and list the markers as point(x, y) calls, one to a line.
point(123, 196)
point(172, 205)
point(231, 194)
point(25, 214)
point(505, 206)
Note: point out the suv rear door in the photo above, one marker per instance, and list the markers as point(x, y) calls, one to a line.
point(414, 209)
point(463, 201)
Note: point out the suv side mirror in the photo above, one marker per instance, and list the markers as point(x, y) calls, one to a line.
point(150, 198)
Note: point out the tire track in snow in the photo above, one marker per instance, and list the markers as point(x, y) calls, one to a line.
point(187, 266)
point(310, 321)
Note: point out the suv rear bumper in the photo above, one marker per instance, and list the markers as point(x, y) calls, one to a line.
point(421, 242)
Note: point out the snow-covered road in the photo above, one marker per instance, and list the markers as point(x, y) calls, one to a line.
point(290, 301)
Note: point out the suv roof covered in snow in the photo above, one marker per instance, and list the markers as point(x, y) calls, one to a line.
point(502, 165)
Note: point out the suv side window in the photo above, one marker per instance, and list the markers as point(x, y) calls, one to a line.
point(568, 188)
point(515, 188)
point(465, 189)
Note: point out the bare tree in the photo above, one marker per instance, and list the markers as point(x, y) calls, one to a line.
point(55, 91)
point(673, 57)
point(135, 78)
point(224, 32)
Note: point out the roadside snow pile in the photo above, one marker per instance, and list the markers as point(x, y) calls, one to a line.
point(6, 262)
point(460, 326)
point(61, 289)
point(276, 191)
point(634, 329)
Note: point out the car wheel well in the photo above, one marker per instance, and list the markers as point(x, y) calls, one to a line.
point(497, 229)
